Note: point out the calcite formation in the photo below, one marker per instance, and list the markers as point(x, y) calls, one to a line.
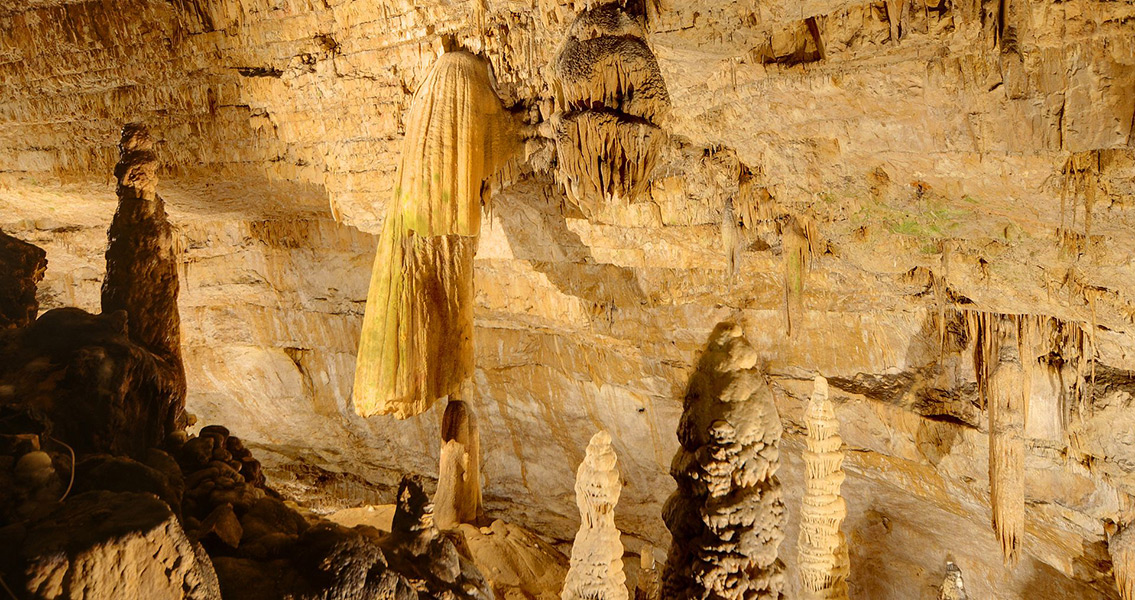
point(1008, 395)
point(648, 586)
point(727, 515)
point(953, 586)
point(596, 571)
point(609, 96)
point(458, 496)
point(823, 556)
point(1121, 549)
point(417, 338)
point(24, 265)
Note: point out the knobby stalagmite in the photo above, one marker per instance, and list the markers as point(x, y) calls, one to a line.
point(727, 516)
point(596, 571)
point(823, 562)
point(417, 338)
point(1008, 393)
point(458, 497)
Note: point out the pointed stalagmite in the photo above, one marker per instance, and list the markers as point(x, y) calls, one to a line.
point(727, 516)
point(953, 588)
point(596, 571)
point(417, 338)
point(458, 497)
point(1008, 392)
point(823, 560)
point(141, 264)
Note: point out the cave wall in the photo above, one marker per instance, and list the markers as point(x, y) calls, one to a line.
point(940, 152)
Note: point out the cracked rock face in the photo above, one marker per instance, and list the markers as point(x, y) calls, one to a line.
point(949, 159)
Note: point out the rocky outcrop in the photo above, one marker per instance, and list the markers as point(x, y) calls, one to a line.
point(953, 587)
point(417, 339)
point(458, 496)
point(23, 265)
point(516, 562)
point(727, 516)
point(112, 545)
point(596, 571)
point(823, 556)
point(609, 95)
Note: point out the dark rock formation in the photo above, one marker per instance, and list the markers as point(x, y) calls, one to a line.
point(23, 265)
point(727, 516)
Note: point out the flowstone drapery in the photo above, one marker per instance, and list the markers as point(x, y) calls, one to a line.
point(417, 338)
point(1008, 397)
point(823, 559)
point(727, 516)
point(596, 571)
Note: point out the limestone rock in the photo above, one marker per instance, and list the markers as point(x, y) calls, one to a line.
point(515, 561)
point(114, 545)
point(596, 571)
point(727, 516)
point(823, 563)
point(416, 342)
point(953, 587)
point(23, 266)
point(458, 496)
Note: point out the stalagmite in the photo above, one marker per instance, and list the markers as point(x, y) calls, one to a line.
point(727, 515)
point(142, 265)
point(417, 338)
point(596, 571)
point(610, 97)
point(1008, 392)
point(458, 498)
point(953, 588)
point(823, 560)
point(648, 586)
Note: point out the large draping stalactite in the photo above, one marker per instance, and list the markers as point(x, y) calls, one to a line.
point(823, 558)
point(458, 497)
point(1121, 548)
point(417, 338)
point(596, 571)
point(1007, 395)
point(609, 97)
point(727, 515)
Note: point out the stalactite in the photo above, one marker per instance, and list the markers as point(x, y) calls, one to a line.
point(823, 562)
point(458, 497)
point(596, 571)
point(1008, 392)
point(800, 248)
point(727, 515)
point(609, 97)
point(417, 335)
point(648, 586)
point(953, 587)
point(142, 266)
point(1121, 548)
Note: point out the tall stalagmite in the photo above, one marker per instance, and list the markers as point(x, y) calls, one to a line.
point(141, 264)
point(823, 562)
point(458, 497)
point(596, 571)
point(1008, 393)
point(417, 338)
point(727, 516)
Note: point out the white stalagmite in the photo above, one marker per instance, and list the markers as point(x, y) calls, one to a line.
point(458, 497)
point(823, 559)
point(1008, 392)
point(596, 571)
point(416, 343)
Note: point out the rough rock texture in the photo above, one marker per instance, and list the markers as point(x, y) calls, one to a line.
point(596, 571)
point(417, 340)
point(823, 564)
point(103, 545)
point(516, 561)
point(934, 165)
point(458, 496)
point(953, 587)
point(727, 516)
point(23, 265)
